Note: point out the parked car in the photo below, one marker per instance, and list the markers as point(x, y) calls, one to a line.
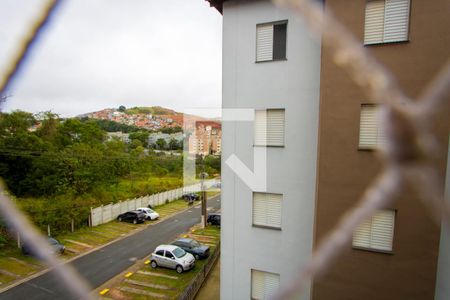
point(150, 214)
point(190, 196)
point(172, 257)
point(213, 219)
point(192, 246)
point(133, 216)
point(56, 246)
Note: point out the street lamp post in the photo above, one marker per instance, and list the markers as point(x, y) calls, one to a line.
point(203, 176)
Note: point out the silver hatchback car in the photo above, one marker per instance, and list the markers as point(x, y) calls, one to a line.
point(172, 257)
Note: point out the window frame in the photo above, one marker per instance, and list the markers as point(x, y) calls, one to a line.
point(273, 23)
point(369, 249)
point(267, 226)
point(381, 43)
point(260, 271)
point(380, 137)
point(284, 128)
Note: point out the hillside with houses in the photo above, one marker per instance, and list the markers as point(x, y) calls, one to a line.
point(152, 118)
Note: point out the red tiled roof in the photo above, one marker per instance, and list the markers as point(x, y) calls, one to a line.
point(208, 123)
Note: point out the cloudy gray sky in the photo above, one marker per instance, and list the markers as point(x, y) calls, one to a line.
point(105, 53)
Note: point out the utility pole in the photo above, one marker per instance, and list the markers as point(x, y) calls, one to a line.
point(203, 175)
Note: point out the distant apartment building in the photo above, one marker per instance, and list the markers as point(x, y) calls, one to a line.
point(320, 133)
point(121, 136)
point(206, 138)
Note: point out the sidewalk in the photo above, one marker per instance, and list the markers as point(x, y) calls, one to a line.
point(211, 287)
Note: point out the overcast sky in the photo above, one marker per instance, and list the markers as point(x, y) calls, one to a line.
point(104, 53)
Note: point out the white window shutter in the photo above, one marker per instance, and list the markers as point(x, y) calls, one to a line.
point(264, 42)
point(273, 210)
point(267, 209)
point(259, 209)
point(382, 230)
point(396, 20)
point(258, 283)
point(269, 127)
point(261, 127)
point(374, 22)
point(275, 127)
point(264, 284)
point(368, 128)
point(361, 236)
point(377, 232)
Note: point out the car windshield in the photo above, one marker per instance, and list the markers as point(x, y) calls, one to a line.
point(195, 243)
point(178, 252)
point(149, 210)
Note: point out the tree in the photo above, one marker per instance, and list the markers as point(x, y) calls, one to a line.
point(49, 125)
point(174, 145)
point(170, 130)
point(141, 136)
point(161, 143)
point(74, 131)
point(122, 108)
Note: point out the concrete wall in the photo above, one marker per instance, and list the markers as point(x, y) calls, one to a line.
point(294, 85)
point(106, 213)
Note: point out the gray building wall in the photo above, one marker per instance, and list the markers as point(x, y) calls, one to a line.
point(293, 85)
point(443, 272)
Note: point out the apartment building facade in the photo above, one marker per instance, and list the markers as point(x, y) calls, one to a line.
point(323, 155)
point(206, 138)
point(395, 254)
point(271, 65)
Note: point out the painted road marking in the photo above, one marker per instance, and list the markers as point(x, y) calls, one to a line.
point(147, 262)
point(104, 291)
point(128, 274)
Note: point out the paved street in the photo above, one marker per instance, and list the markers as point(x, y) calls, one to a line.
point(103, 264)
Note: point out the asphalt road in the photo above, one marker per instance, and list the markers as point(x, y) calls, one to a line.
point(105, 263)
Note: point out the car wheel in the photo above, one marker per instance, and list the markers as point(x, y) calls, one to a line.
point(119, 219)
point(134, 221)
point(153, 264)
point(197, 257)
point(179, 269)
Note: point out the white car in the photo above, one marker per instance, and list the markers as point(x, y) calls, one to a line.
point(149, 213)
point(172, 257)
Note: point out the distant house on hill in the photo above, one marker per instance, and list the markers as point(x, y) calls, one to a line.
point(124, 137)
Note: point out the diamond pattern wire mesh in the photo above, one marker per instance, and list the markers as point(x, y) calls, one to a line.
point(408, 153)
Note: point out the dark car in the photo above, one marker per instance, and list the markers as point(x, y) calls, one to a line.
point(133, 216)
point(190, 196)
point(192, 246)
point(56, 246)
point(213, 219)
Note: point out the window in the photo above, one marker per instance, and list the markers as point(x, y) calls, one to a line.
point(371, 135)
point(386, 21)
point(160, 252)
point(264, 284)
point(377, 232)
point(271, 41)
point(267, 210)
point(169, 255)
point(269, 127)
